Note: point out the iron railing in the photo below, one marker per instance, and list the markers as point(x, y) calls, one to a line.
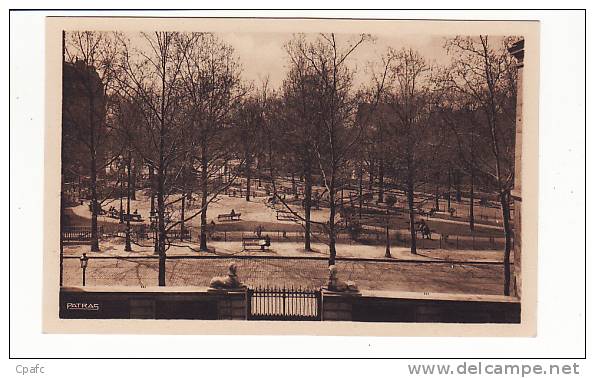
point(273, 303)
point(78, 233)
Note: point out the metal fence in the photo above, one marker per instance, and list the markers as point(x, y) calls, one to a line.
point(78, 233)
point(272, 303)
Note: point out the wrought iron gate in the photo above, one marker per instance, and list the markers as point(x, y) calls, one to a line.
point(272, 303)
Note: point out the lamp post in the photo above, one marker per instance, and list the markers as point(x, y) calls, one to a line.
point(84, 262)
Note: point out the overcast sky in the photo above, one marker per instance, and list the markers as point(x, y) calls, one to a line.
point(263, 53)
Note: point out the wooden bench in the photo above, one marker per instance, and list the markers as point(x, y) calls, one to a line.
point(134, 217)
point(177, 234)
point(260, 242)
point(229, 217)
point(114, 214)
point(283, 215)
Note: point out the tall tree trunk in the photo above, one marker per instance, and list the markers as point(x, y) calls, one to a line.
point(360, 191)
point(448, 191)
point(437, 191)
point(307, 206)
point(412, 221)
point(457, 185)
point(182, 216)
point(293, 185)
point(371, 173)
point(437, 198)
point(331, 226)
point(128, 247)
point(94, 202)
point(381, 181)
point(203, 203)
point(387, 251)
point(248, 178)
point(412, 211)
point(161, 234)
point(121, 195)
point(505, 204)
point(94, 207)
point(161, 174)
point(152, 187)
point(133, 179)
point(153, 212)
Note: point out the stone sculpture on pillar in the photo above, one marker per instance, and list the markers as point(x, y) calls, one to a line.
point(229, 282)
point(337, 285)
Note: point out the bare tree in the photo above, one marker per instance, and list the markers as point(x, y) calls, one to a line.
point(410, 95)
point(301, 117)
point(211, 82)
point(152, 78)
point(88, 80)
point(335, 115)
point(484, 74)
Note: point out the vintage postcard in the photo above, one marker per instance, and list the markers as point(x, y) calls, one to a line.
point(291, 176)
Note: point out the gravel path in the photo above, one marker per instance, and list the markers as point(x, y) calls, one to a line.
point(436, 277)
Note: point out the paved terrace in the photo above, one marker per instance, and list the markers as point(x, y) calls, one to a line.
point(409, 276)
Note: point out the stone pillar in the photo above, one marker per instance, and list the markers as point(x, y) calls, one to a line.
point(337, 306)
point(518, 51)
point(231, 295)
point(337, 298)
point(231, 304)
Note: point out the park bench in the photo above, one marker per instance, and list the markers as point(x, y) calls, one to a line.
point(284, 215)
point(133, 217)
point(229, 217)
point(113, 213)
point(177, 234)
point(260, 242)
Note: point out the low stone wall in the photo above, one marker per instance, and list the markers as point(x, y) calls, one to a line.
point(149, 303)
point(210, 304)
point(381, 306)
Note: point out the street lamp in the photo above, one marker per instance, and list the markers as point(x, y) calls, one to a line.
point(84, 262)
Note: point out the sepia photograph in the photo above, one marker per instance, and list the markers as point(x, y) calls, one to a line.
point(291, 171)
